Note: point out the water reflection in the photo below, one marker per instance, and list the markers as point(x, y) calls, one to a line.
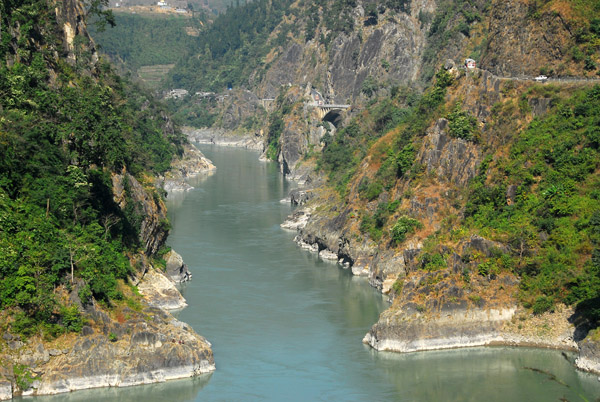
point(287, 326)
point(490, 373)
point(176, 390)
point(176, 197)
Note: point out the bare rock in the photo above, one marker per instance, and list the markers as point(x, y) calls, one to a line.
point(191, 164)
point(147, 351)
point(589, 353)
point(452, 159)
point(177, 270)
point(160, 291)
point(409, 331)
point(153, 230)
point(5, 390)
point(300, 197)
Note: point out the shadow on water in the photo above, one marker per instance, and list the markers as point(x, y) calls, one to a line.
point(175, 390)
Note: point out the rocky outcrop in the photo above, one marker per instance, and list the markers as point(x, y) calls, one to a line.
point(160, 291)
point(453, 160)
point(297, 220)
point(119, 348)
point(191, 164)
point(411, 331)
point(153, 230)
point(439, 308)
point(176, 269)
point(71, 17)
point(152, 346)
point(589, 353)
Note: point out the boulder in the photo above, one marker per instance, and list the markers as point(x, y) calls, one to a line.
point(177, 270)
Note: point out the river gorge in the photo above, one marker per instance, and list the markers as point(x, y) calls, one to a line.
point(285, 325)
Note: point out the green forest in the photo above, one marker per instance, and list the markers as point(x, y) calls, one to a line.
point(231, 48)
point(145, 40)
point(64, 129)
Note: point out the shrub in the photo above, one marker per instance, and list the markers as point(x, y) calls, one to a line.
point(404, 226)
point(433, 262)
point(461, 124)
point(542, 304)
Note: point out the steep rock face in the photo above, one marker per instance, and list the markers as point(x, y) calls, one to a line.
point(389, 50)
point(129, 192)
point(192, 163)
point(523, 38)
point(71, 16)
point(589, 353)
point(152, 347)
point(238, 108)
point(177, 270)
point(356, 57)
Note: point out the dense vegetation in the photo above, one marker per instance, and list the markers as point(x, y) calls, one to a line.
point(553, 227)
point(231, 48)
point(145, 40)
point(64, 127)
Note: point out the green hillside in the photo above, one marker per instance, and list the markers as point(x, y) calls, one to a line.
point(65, 128)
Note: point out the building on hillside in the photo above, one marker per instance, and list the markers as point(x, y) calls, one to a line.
point(317, 97)
point(176, 93)
point(470, 63)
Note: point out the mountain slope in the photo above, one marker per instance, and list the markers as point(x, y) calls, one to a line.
point(72, 246)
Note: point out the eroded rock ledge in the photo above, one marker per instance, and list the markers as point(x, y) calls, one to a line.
point(224, 138)
point(411, 331)
point(193, 163)
point(125, 346)
point(435, 310)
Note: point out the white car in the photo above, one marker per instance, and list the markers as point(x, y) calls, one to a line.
point(541, 78)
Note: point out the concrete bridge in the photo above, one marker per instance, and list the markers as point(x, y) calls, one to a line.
point(267, 103)
point(328, 111)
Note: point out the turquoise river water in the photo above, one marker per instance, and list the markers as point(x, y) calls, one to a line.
point(286, 326)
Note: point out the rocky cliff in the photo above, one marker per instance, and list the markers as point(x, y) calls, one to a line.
point(448, 286)
point(94, 315)
point(115, 349)
point(435, 195)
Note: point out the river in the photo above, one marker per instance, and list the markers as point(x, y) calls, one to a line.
point(286, 326)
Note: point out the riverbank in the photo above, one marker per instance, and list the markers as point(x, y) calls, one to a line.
point(125, 345)
point(223, 138)
point(191, 164)
point(484, 314)
point(133, 340)
point(118, 348)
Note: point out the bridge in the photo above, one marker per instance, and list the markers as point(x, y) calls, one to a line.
point(325, 109)
point(267, 103)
